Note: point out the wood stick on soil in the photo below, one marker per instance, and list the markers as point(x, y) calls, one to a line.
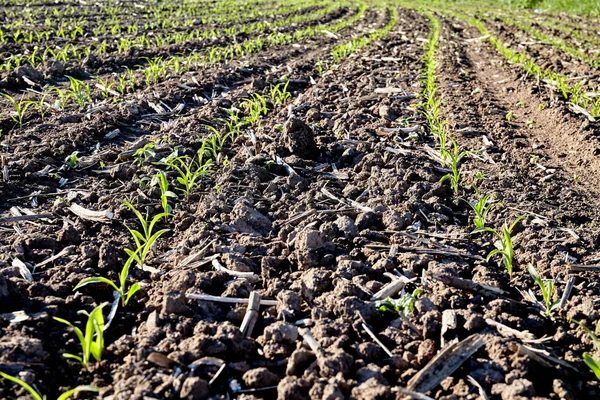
point(232, 300)
point(409, 394)
point(310, 340)
point(250, 276)
point(444, 364)
point(466, 284)
point(19, 218)
point(541, 356)
point(4, 169)
point(84, 213)
point(251, 314)
point(389, 290)
point(482, 393)
point(567, 293)
point(376, 339)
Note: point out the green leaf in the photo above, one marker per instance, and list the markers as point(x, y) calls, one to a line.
point(132, 290)
point(593, 364)
point(125, 272)
point(23, 384)
point(87, 281)
point(78, 389)
point(74, 357)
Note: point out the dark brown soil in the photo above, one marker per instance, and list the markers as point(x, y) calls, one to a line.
point(332, 195)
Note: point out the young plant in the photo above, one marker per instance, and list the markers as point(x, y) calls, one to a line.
point(20, 107)
point(71, 160)
point(189, 171)
point(80, 91)
point(160, 179)
point(279, 96)
point(144, 240)
point(92, 341)
point(36, 396)
point(124, 294)
point(547, 287)
point(588, 359)
point(144, 153)
point(504, 243)
point(482, 206)
point(404, 305)
point(454, 157)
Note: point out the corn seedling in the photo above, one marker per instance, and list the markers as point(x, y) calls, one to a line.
point(454, 157)
point(504, 243)
point(36, 396)
point(279, 96)
point(146, 239)
point(20, 107)
point(591, 362)
point(92, 341)
point(482, 206)
point(509, 116)
point(71, 160)
point(80, 91)
point(144, 153)
point(124, 293)
point(547, 287)
point(160, 179)
point(403, 306)
point(189, 171)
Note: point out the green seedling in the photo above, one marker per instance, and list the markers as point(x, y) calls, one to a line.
point(20, 107)
point(92, 341)
point(482, 206)
point(504, 243)
point(36, 396)
point(509, 116)
point(591, 362)
point(279, 96)
point(124, 293)
point(454, 157)
point(146, 239)
point(80, 91)
point(189, 171)
point(144, 153)
point(547, 287)
point(160, 179)
point(71, 160)
point(404, 305)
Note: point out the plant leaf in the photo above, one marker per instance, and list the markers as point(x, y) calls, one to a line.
point(99, 279)
point(23, 384)
point(132, 290)
point(69, 393)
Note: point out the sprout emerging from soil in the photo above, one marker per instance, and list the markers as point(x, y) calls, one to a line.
point(404, 305)
point(124, 294)
point(482, 206)
point(504, 244)
point(144, 241)
point(547, 287)
point(453, 158)
point(37, 396)
point(92, 341)
point(588, 359)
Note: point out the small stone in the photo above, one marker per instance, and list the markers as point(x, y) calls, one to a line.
point(309, 240)
point(194, 388)
point(260, 377)
point(299, 138)
point(174, 303)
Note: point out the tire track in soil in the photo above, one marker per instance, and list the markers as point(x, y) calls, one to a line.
point(69, 278)
point(467, 66)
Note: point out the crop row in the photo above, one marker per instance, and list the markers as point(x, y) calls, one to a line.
point(483, 203)
point(80, 28)
point(80, 93)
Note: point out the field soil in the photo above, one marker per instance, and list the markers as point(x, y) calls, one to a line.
point(332, 197)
